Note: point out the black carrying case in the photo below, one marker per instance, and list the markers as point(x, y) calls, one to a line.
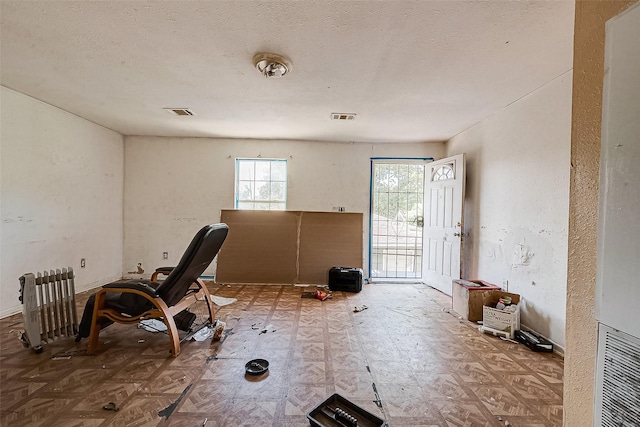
point(534, 341)
point(327, 414)
point(347, 279)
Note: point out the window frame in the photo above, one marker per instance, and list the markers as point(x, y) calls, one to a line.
point(270, 201)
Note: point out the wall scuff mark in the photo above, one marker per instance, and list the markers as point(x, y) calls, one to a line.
point(522, 255)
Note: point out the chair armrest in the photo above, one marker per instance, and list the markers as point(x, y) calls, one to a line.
point(164, 270)
point(161, 270)
point(139, 286)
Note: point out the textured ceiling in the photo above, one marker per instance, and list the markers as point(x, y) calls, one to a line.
point(411, 70)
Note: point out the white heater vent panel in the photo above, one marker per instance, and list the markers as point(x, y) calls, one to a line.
point(618, 379)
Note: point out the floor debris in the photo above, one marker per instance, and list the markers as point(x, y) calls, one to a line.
point(22, 336)
point(218, 330)
point(322, 295)
point(378, 401)
point(359, 308)
point(66, 354)
point(111, 407)
point(152, 325)
point(266, 329)
point(222, 301)
point(203, 334)
point(166, 412)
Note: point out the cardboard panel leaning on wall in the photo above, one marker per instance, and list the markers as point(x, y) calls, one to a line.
point(288, 246)
point(328, 239)
point(261, 247)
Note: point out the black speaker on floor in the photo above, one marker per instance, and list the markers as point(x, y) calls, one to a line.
point(347, 279)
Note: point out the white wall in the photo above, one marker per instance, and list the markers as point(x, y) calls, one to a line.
point(173, 186)
point(617, 289)
point(517, 202)
point(62, 192)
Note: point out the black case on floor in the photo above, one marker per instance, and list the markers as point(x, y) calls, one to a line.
point(534, 341)
point(345, 279)
point(331, 413)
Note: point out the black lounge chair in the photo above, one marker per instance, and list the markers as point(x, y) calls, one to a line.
point(131, 301)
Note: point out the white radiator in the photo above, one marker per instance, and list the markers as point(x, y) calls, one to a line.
point(617, 379)
point(48, 306)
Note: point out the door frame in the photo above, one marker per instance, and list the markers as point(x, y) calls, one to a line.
point(372, 161)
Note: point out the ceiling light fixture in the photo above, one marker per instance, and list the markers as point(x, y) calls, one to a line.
point(271, 64)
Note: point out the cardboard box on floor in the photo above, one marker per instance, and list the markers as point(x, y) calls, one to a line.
point(494, 320)
point(492, 298)
point(468, 300)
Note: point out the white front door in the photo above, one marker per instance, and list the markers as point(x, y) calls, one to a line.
point(444, 195)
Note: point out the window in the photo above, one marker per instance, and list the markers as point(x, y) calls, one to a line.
point(261, 184)
point(443, 172)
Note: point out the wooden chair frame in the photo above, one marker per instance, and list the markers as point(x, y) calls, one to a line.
point(197, 291)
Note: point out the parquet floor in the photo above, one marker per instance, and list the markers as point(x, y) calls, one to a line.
point(429, 368)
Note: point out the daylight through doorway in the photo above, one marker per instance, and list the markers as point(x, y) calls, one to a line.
point(397, 217)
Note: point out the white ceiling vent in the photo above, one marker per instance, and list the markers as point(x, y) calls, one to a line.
point(343, 116)
point(180, 111)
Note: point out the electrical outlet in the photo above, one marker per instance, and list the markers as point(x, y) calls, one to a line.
point(505, 285)
point(165, 255)
point(83, 263)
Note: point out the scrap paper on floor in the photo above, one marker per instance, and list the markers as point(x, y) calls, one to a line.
point(152, 325)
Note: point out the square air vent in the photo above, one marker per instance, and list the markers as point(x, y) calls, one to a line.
point(617, 379)
point(343, 116)
point(180, 111)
